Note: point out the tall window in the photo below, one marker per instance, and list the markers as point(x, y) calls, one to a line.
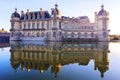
point(42, 34)
point(42, 24)
point(33, 55)
point(24, 25)
point(38, 34)
point(54, 23)
point(24, 54)
point(47, 24)
point(12, 25)
point(38, 25)
point(54, 34)
point(33, 25)
point(28, 25)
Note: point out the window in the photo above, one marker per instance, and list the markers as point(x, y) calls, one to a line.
point(72, 34)
point(42, 24)
point(24, 54)
point(28, 25)
point(37, 55)
point(60, 33)
point(42, 34)
point(48, 25)
point(38, 34)
point(104, 34)
point(60, 25)
point(33, 25)
point(54, 34)
point(24, 26)
point(37, 25)
point(79, 34)
point(33, 55)
point(12, 25)
point(47, 34)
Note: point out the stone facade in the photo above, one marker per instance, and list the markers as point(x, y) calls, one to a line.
point(42, 26)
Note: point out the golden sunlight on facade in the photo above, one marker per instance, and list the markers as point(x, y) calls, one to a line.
point(42, 26)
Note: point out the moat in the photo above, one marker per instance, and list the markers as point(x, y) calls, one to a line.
point(59, 61)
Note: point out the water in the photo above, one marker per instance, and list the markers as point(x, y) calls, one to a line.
point(59, 61)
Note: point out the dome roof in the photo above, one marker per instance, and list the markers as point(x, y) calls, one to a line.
point(102, 11)
point(16, 14)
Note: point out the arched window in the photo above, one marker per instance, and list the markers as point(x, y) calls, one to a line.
point(47, 24)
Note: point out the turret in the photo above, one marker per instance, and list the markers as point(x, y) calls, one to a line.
point(55, 13)
point(102, 18)
point(15, 25)
point(15, 15)
point(15, 20)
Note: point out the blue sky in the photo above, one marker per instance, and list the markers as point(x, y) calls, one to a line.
point(71, 8)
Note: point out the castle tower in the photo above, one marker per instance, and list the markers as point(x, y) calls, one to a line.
point(102, 18)
point(15, 26)
point(56, 17)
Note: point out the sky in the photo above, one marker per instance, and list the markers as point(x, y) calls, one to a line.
point(71, 8)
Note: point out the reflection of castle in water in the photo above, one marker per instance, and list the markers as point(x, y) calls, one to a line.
point(41, 56)
point(4, 44)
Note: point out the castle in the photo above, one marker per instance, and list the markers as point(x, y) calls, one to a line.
point(43, 26)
